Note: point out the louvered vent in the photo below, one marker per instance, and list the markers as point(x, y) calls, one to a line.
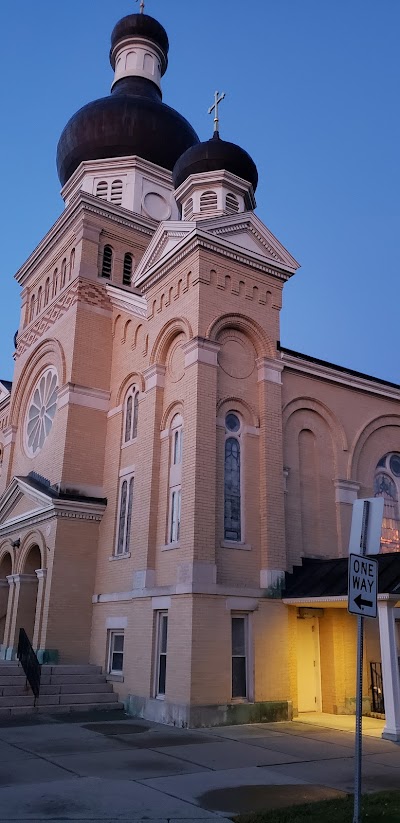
point(116, 192)
point(107, 262)
point(188, 209)
point(127, 270)
point(208, 202)
point(102, 190)
point(231, 204)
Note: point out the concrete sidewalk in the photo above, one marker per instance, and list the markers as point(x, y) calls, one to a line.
point(106, 768)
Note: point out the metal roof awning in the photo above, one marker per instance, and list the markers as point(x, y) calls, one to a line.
point(324, 582)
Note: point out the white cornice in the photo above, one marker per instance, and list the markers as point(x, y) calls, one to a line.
point(221, 176)
point(198, 238)
point(81, 205)
point(127, 301)
point(47, 507)
point(335, 375)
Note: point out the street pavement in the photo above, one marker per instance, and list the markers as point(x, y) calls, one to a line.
point(108, 767)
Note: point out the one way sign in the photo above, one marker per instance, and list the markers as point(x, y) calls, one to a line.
point(363, 585)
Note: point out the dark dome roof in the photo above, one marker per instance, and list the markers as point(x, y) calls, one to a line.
point(140, 25)
point(213, 155)
point(131, 121)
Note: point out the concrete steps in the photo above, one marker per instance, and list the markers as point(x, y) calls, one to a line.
point(63, 689)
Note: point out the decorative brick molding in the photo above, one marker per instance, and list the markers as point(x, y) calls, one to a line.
point(80, 291)
point(269, 370)
point(154, 377)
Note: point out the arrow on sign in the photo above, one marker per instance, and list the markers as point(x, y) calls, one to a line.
point(360, 602)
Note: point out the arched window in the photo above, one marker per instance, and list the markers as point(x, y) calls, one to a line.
point(63, 272)
point(175, 480)
point(32, 308)
point(231, 204)
point(116, 192)
point(71, 263)
point(188, 209)
point(127, 270)
point(208, 202)
point(125, 515)
point(39, 301)
point(55, 282)
point(106, 267)
point(102, 189)
point(387, 485)
point(232, 479)
point(131, 414)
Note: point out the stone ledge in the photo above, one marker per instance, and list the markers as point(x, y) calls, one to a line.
point(229, 714)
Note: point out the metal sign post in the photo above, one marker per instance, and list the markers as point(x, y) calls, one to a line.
point(362, 601)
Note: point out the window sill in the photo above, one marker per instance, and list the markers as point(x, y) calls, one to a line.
point(168, 546)
point(235, 544)
point(160, 696)
point(114, 678)
point(120, 556)
point(129, 443)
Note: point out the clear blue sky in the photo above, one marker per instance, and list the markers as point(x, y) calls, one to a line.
point(312, 93)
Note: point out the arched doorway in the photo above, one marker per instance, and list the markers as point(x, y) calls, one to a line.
point(28, 591)
point(5, 570)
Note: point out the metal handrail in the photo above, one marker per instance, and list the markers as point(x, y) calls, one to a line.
point(29, 662)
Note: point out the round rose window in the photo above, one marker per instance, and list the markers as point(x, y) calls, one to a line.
point(41, 411)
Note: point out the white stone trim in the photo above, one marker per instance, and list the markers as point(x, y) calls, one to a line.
point(200, 350)
point(269, 370)
point(114, 411)
point(164, 591)
point(346, 491)
point(127, 301)
point(235, 545)
point(241, 604)
point(161, 604)
point(154, 377)
point(73, 394)
point(116, 623)
point(271, 578)
point(124, 556)
point(9, 435)
point(127, 470)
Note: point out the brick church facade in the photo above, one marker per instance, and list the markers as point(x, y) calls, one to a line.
point(168, 471)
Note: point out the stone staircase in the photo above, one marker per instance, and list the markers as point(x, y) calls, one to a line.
point(62, 689)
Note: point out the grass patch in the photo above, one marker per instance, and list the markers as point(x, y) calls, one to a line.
point(375, 807)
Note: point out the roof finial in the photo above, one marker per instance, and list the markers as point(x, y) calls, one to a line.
point(141, 6)
point(214, 108)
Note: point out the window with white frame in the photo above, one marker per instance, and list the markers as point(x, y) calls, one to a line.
point(125, 515)
point(232, 478)
point(240, 629)
point(175, 479)
point(116, 652)
point(161, 653)
point(131, 414)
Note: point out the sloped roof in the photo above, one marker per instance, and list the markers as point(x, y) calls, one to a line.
point(7, 384)
point(328, 578)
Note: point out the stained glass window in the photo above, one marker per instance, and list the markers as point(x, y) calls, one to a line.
point(232, 518)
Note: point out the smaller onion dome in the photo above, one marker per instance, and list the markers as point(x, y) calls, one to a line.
point(213, 155)
point(140, 25)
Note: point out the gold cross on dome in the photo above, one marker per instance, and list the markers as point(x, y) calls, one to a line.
point(141, 6)
point(214, 108)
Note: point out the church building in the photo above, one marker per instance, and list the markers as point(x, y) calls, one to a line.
point(176, 487)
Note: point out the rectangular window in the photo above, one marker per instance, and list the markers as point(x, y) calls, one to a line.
point(161, 662)
point(125, 515)
point(175, 516)
point(116, 653)
point(239, 656)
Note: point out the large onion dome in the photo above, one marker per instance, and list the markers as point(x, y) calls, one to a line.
point(132, 120)
point(213, 155)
